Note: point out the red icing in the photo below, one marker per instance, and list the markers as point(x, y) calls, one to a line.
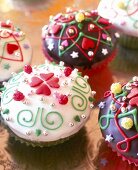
point(46, 79)
point(87, 43)
point(28, 69)
point(103, 21)
point(46, 76)
point(55, 29)
point(133, 93)
point(43, 89)
point(18, 96)
point(134, 101)
point(63, 99)
point(35, 82)
point(67, 71)
point(11, 48)
point(4, 24)
point(53, 82)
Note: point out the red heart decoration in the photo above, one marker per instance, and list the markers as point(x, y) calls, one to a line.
point(53, 82)
point(46, 76)
point(11, 48)
point(134, 101)
point(35, 81)
point(133, 93)
point(103, 21)
point(55, 29)
point(87, 43)
point(43, 89)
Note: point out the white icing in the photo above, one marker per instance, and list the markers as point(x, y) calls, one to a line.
point(7, 61)
point(47, 104)
point(122, 13)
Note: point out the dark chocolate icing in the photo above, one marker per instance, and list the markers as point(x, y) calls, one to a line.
point(124, 139)
point(87, 34)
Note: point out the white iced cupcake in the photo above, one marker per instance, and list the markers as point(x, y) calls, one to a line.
point(124, 15)
point(46, 104)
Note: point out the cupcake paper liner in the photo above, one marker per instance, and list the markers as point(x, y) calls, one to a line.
point(126, 60)
point(128, 41)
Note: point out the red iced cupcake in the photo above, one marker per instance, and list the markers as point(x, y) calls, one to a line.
point(81, 39)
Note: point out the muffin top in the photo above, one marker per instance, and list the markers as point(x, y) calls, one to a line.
point(46, 103)
point(122, 13)
point(118, 118)
point(15, 49)
point(79, 38)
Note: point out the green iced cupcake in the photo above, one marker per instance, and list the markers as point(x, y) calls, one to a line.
point(46, 105)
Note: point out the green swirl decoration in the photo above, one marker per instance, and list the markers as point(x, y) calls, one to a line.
point(7, 95)
point(82, 84)
point(26, 118)
point(79, 102)
point(15, 79)
point(52, 121)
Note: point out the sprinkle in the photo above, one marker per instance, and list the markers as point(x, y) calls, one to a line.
point(77, 118)
point(71, 31)
point(127, 123)
point(28, 133)
point(71, 124)
point(52, 104)
point(103, 162)
point(91, 106)
point(50, 46)
point(83, 116)
point(80, 17)
point(109, 138)
point(113, 108)
point(117, 35)
point(135, 78)
point(102, 105)
point(86, 77)
point(61, 47)
point(61, 63)
point(45, 133)
point(90, 53)
point(17, 54)
point(104, 51)
point(116, 88)
point(74, 54)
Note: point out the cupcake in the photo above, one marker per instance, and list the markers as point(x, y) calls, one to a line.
point(124, 15)
point(52, 102)
point(118, 119)
point(15, 50)
point(81, 39)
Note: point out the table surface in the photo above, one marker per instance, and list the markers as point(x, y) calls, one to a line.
point(86, 150)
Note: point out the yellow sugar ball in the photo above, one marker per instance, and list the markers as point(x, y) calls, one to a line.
point(80, 17)
point(127, 123)
point(121, 5)
point(116, 88)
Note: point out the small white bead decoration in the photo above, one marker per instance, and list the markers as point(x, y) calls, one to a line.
point(71, 124)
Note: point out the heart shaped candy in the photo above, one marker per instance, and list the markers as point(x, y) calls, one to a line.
point(87, 43)
point(11, 48)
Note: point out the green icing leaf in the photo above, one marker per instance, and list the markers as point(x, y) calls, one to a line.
point(91, 99)
point(79, 73)
point(38, 132)
point(77, 118)
point(6, 111)
point(80, 25)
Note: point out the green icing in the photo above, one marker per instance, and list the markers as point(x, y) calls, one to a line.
point(79, 101)
point(38, 132)
point(91, 99)
point(45, 120)
point(77, 118)
point(6, 111)
point(51, 124)
point(80, 25)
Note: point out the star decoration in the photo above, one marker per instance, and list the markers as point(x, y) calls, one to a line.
point(6, 66)
point(50, 46)
point(26, 46)
point(109, 138)
point(74, 54)
point(102, 105)
point(104, 51)
point(103, 161)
